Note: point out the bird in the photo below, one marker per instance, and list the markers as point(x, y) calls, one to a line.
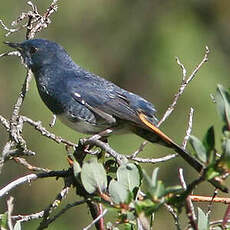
point(89, 103)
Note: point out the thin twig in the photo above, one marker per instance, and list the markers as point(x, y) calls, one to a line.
point(140, 149)
point(95, 220)
point(38, 126)
point(14, 131)
point(29, 178)
point(189, 129)
point(52, 207)
point(174, 215)
point(119, 157)
point(53, 121)
point(9, 30)
point(5, 123)
point(26, 218)
point(216, 222)
point(152, 160)
point(196, 198)
point(30, 167)
point(184, 83)
point(10, 207)
point(35, 216)
point(67, 207)
point(189, 205)
point(210, 205)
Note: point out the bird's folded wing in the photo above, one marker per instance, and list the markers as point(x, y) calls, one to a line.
point(111, 102)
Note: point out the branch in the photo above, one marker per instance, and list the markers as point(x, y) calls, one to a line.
point(44, 132)
point(34, 216)
point(96, 220)
point(23, 162)
point(189, 129)
point(10, 207)
point(184, 83)
point(67, 207)
point(45, 222)
point(152, 160)
point(29, 178)
point(224, 200)
point(105, 146)
point(189, 205)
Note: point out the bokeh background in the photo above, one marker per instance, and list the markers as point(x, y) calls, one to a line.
point(132, 43)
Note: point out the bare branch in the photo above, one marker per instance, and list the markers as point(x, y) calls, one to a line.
point(174, 215)
point(196, 198)
point(11, 53)
point(29, 178)
point(10, 207)
point(140, 149)
point(5, 122)
point(119, 157)
point(53, 121)
point(189, 205)
point(9, 31)
point(184, 83)
point(96, 220)
point(152, 160)
point(38, 126)
point(45, 222)
point(189, 129)
point(27, 218)
point(30, 167)
point(14, 131)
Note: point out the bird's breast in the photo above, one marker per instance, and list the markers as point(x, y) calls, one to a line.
point(81, 126)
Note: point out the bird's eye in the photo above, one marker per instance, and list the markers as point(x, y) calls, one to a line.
point(33, 50)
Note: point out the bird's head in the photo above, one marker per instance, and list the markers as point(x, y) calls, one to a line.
point(37, 53)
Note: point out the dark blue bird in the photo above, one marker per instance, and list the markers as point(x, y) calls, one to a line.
point(87, 102)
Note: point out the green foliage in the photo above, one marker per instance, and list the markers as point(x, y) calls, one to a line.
point(93, 176)
point(119, 193)
point(128, 175)
point(128, 178)
point(223, 104)
point(17, 226)
point(199, 148)
point(203, 222)
point(124, 188)
point(3, 222)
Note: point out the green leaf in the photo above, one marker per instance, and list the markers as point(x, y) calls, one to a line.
point(223, 104)
point(173, 189)
point(147, 206)
point(158, 191)
point(211, 173)
point(129, 176)
point(202, 220)
point(109, 225)
point(17, 226)
point(3, 222)
point(209, 139)
point(128, 226)
point(93, 176)
point(76, 168)
point(155, 188)
point(226, 153)
point(119, 193)
point(199, 148)
point(154, 176)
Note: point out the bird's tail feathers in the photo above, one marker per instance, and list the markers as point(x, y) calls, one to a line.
point(156, 135)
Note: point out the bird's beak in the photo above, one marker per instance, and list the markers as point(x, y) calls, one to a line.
point(14, 45)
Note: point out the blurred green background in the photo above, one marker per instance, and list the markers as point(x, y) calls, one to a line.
point(132, 43)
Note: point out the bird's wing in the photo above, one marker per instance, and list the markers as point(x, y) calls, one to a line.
point(109, 101)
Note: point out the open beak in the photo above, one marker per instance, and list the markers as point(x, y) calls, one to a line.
point(14, 45)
